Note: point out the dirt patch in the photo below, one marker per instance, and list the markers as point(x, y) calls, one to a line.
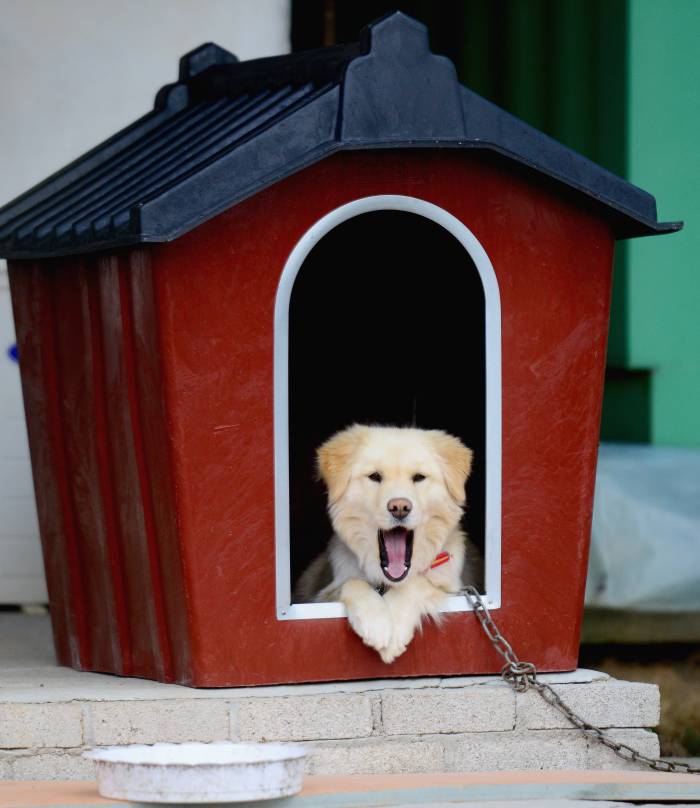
point(676, 670)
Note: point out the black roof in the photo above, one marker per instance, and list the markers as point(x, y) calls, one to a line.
point(227, 129)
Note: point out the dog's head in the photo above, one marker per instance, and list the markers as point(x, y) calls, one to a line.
point(394, 495)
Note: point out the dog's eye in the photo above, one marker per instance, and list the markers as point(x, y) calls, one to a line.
point(418, 478)
point(375, 476)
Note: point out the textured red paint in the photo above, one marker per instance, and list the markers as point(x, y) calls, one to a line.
point(123, 438)
point(188, 358)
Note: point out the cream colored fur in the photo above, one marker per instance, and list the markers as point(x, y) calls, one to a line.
point(350, 568)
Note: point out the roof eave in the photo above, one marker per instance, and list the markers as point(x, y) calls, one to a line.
point(388, 92)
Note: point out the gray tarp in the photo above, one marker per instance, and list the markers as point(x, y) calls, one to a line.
point(645, 543)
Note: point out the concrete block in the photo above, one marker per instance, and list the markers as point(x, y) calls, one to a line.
point(376, 704)
point(5, 769)
point(234, 730)
point(503, 751)
point(52, 765)
point(40, 725)
point(448, 710)
point(642, 740)
point(605, 704)
point(344, 715)
point(542, 749)
point(377, 756)
point(580, 675)
point(121, 722)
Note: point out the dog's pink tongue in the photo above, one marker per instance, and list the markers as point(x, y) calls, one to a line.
point(395, 543)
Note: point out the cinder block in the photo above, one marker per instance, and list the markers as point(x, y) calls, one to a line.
point(121, 722)
point(5, 769)
point(345, 715)
point(377, 756)
point(542, 749)
point(42, 725)
point(52, 766)
point(426, 712)
point(642, 740)
point(234, 732)
point(503, 751)
point(376, 706)
point(605, 704)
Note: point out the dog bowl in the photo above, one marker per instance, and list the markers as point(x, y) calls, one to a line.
point(199, 772)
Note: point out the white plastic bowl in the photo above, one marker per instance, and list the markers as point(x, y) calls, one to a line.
point(199, 772)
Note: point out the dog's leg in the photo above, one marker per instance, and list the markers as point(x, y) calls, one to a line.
point(368, 614)
point(408, 604)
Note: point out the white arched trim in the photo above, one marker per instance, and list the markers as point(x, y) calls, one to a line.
point(285, 609)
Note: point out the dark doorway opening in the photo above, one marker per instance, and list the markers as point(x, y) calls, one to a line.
point(386, 326)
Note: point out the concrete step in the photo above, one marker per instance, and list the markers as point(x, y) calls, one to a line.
point(50, 715)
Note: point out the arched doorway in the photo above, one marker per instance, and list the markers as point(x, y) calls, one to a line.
point(389, 320)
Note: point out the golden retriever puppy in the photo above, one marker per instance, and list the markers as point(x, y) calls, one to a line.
point(395, 498)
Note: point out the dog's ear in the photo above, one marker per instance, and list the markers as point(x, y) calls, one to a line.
point(334, 459)
point(456, 462)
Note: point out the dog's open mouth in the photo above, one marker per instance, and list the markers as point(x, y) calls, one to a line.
point(395, 550)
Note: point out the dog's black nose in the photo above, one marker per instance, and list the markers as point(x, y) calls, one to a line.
point(399, 508)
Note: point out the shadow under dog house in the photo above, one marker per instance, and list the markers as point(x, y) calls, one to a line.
point(280, 248)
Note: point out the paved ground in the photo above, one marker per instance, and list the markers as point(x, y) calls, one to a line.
point(25, 641)
point(478, 790)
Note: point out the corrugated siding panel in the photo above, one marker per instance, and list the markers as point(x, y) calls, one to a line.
point(88, 337)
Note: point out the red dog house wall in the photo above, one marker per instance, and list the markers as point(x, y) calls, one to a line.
point(181, 293)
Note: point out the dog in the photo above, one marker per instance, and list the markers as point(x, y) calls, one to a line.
point(395, 500)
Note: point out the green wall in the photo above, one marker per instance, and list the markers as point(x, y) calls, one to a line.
point(662, 282)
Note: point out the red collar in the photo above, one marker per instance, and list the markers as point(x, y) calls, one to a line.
point(440, 559)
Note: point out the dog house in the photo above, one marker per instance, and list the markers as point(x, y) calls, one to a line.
point(280, 248)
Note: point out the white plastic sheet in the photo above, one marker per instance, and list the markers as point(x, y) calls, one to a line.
point(645, 542)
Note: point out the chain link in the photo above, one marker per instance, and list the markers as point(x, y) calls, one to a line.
point(523, 675)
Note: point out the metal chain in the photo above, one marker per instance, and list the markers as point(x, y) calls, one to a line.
point(523, 675)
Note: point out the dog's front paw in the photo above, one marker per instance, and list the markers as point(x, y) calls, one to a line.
point(402, 634)
point(372, 623)
point(392, 651)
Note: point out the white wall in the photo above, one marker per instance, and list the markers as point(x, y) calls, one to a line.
point(21, 571)
point(73, 72)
